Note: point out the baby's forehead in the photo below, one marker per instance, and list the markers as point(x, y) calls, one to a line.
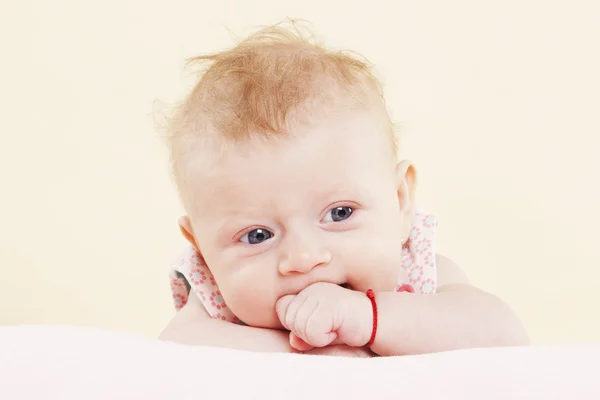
point(301, 169)
point(230, 193)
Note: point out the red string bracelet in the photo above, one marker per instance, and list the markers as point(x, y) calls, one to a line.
point(371, 296)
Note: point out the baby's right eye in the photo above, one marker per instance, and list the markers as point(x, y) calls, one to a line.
point(256, 236)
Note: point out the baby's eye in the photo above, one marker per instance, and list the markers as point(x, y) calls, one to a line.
point(256, 236)
point(338, 214)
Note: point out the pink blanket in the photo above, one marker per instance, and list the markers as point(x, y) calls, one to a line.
point(59, 362)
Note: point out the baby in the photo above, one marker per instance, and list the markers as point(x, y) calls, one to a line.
point(303, 229)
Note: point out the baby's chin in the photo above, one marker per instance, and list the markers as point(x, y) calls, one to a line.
point(257, 321)
point(259, 318)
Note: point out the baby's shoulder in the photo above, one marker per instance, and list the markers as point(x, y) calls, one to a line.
point(448, 272)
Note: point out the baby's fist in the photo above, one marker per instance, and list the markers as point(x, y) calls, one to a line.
point(325, 313)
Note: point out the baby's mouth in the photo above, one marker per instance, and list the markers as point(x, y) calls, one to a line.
point(345, 285)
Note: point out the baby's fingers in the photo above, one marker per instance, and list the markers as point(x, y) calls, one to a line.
point(307, 319)
point(317, 328)
point(298, 343)
point(301, 345)
point(281, 308)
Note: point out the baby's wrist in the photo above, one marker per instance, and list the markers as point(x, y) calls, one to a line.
point(366, 323)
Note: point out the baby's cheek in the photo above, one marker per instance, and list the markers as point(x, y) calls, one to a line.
point(375, 264)
point(251, 298)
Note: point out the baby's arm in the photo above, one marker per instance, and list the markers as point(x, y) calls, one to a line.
point(192, 325)
point(457, 316)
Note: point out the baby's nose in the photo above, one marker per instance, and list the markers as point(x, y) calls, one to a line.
point(303, 261)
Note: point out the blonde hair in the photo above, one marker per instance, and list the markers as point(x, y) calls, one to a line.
point(276, 77)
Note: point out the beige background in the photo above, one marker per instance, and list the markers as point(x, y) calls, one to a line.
point(499, 104)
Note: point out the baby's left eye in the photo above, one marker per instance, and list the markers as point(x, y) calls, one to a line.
point(338, 214)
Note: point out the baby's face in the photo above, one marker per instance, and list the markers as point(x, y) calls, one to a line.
point(321, 206)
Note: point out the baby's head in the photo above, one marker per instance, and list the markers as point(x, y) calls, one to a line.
point(285, 160)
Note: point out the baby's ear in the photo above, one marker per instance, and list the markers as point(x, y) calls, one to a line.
point(407, 184)
point(185, 226)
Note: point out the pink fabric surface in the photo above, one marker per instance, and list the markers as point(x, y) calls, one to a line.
point(61, 362)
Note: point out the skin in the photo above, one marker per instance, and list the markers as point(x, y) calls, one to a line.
point(287, 221)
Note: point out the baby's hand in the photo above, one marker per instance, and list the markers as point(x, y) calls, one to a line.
point(324, 314)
